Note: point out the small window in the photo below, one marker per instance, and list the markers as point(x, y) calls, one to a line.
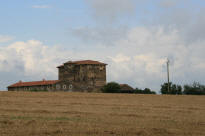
point(101, 68)
point(58, 87)
point(70, 87)
point(64, 86)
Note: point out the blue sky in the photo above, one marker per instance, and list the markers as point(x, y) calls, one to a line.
point(25, 19)
point(133, 36)
point(50, 24)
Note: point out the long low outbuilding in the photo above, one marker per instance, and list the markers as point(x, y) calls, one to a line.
point(34, 85)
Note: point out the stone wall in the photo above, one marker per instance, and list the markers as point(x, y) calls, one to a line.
point(85, 77)
point(33, 88)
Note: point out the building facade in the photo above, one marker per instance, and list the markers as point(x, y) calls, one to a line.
point(81, 76)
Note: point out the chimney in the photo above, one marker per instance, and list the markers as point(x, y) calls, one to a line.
point(44, 79)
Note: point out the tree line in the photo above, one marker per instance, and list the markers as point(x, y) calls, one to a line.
point(174, 89)
point(113, 87)
point(188, 89)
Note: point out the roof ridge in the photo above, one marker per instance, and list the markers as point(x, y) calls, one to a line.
point(79, 62)
point(34, 83)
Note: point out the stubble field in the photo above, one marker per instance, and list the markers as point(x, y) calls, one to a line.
point(96, 114)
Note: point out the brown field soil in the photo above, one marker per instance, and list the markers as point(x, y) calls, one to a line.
point(96, 114)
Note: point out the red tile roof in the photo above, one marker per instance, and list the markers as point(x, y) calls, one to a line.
point(91, 62)
point(87, 62)
point(125, 87)
point(34, 83)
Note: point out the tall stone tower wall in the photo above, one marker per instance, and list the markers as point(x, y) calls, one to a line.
point(83, 77)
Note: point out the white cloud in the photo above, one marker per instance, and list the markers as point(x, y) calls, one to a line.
point(104, 35)
point(5, 38)
point(147, 50)
point(41, 6)
point(120, 58)
point(110, 10)
point(139, 59)
point(188, 20)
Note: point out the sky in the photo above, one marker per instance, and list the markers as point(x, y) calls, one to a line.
point(134, 37)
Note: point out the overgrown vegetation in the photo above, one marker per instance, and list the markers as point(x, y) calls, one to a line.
point(145, 91)
point(111, 87)
point(173, 88)
point(192, 89)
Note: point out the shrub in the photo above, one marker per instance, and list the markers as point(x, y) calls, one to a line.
point(173, 88)
point(138, 91)
point(194, 89)
point(126, 91)
point(145, 91)
point(111, 87)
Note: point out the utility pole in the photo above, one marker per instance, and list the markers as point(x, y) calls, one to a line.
point(168, 74)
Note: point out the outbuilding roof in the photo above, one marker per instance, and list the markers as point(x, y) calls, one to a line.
point(34, 83)
point(125, 87)
point(83, 62)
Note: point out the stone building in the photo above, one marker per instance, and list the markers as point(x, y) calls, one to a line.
point(82, 76)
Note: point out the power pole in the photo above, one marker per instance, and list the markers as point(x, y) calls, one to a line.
point(168, 74)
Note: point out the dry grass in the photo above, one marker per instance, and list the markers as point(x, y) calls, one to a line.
point(75, 114)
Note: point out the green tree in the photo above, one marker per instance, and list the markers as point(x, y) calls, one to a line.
point(194, 89)
point(111, 87)
point(173, 88)
point(138, 91)
point(145, 91)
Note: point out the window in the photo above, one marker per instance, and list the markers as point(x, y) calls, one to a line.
point(101, 68)
point(58, 87)
point(70, 87)
point(64, 87)
point(48, 87)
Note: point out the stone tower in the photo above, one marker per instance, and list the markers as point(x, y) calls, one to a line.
point(86, 75)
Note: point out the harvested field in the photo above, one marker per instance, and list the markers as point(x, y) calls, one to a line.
point(95, 114)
